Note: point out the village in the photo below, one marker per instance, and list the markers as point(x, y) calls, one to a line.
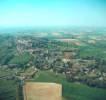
point(47, 54)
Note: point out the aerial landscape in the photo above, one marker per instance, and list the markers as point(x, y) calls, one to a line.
point(42, 48)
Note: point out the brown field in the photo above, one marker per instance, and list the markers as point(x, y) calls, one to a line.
point(42, 91)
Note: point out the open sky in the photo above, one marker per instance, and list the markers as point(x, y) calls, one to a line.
point(52, 13)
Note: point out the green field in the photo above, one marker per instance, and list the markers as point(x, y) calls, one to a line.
point(21, 59)
point(7, 90)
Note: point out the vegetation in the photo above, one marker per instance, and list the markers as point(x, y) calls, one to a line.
point(21, 59)
point(7, 90)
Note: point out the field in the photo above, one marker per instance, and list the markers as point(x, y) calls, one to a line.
point(72, 91)
point(7, 90)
